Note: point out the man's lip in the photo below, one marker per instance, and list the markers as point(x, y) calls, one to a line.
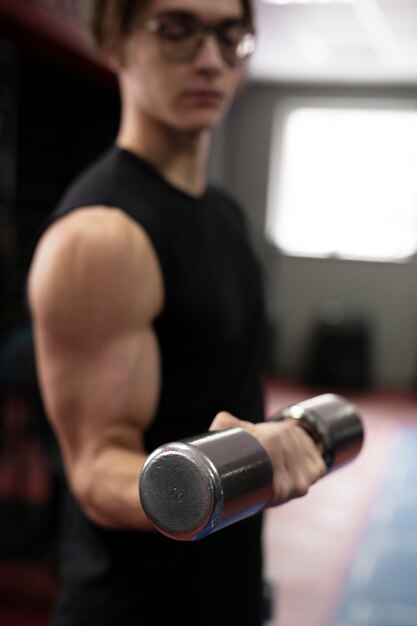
point(204, 94)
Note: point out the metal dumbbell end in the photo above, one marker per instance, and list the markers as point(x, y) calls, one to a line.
point(198, 485)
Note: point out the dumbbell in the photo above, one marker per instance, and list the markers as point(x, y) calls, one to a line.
point(198, 485)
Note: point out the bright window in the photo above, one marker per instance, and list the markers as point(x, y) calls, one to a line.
point(343, 181)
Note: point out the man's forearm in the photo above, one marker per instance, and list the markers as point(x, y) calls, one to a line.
point(109, 495)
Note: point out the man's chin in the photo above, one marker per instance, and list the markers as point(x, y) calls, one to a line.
point(204, 122)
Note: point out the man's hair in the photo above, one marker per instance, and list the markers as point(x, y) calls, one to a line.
point(108, 21)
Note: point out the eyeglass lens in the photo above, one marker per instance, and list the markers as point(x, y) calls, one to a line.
point(183, 35)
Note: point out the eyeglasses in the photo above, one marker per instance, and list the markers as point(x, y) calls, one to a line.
point(182, 36)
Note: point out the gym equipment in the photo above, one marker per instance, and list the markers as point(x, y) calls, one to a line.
point(196, 486)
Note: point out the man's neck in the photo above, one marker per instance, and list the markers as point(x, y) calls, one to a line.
point(180, 158)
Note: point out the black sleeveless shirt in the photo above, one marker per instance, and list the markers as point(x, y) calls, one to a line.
point(210, 336)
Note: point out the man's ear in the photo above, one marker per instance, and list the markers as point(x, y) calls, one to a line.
point(111, 54)
point(111, 61)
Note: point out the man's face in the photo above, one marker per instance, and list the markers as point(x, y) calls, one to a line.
point(173, 74)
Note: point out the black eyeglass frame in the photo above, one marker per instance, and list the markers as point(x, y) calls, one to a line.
point(243, 50)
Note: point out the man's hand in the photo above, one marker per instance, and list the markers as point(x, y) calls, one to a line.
point(296, 461)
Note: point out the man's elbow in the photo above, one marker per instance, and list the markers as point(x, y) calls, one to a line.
point(86, 489)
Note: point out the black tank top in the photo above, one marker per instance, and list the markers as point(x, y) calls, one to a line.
point(210, 335)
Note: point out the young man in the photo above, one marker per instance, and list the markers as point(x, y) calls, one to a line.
point(147, 309)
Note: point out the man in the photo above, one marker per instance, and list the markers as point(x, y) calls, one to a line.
point(147, 310)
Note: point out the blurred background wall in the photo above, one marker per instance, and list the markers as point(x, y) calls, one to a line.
point(382, 293)
point(59, 109)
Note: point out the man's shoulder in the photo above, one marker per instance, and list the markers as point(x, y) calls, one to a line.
point(100, 229)
point(92, 185)
point(93, 255)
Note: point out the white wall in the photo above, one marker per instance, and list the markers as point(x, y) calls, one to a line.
point(385, 294)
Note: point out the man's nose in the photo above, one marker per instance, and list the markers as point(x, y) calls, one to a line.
point(209, 54)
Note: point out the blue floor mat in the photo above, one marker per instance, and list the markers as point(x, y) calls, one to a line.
point(381, 586)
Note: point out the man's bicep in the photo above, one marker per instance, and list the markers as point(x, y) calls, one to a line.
point(98, 395)
point(97, 353)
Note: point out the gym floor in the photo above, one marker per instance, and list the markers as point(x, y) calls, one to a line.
point(346, 554)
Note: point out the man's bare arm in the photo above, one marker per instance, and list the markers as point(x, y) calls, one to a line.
point(95, 288)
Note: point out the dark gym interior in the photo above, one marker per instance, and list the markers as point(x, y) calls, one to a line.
point(346, 554)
